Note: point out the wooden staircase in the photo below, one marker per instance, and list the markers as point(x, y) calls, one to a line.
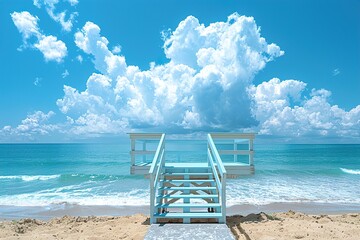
point(190, 191)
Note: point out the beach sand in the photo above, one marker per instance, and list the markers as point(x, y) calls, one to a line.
point(295, 225)
point(288, 225)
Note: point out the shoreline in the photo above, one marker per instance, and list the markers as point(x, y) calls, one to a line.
point(59, 210)
point(280, 226)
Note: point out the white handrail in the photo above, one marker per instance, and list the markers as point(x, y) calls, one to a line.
point(219, 170)
point(215, 152)
point(155, 172)
point(218, 182)
point(156, 157)
point(145, 138)
point(236, 137)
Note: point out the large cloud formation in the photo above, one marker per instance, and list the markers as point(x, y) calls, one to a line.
point(204, 84)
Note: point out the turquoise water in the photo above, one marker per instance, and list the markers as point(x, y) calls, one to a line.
point(98, 174)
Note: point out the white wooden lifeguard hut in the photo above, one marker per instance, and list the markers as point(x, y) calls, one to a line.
point(191, 189)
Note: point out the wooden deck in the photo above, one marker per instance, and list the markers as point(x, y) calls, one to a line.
point(241, 147)
point(179, 175)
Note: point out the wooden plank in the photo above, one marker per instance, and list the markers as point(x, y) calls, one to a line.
point(215, 153)
point(187, 174)
point(145, 135)
point(233, 135)
point(142, 152)
point(186, 180)
point(188, 215)
point(235, 152)
point(186, 188)
point(188, 196)
point(217, 179)
point(191, 205)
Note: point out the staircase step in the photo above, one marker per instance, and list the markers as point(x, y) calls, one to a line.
point(189, 205)
point(186, 188)
point(187, 180)
point(188, 215)
point(187, 165)
point(187, 196)
point(188, 174)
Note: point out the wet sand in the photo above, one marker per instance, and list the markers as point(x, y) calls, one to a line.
point(261, 226)
point(263, 222)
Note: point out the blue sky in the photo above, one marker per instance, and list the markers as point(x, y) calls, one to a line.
point(286, 69)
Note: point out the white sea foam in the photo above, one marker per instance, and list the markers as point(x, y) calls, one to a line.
point(258, 190)
point(10, 177)
point(28, 178)
point(49, 197)
point(264, 191)
point(351, 171)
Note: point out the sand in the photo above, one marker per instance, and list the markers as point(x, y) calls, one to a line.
point(127, 227)
point(289, 225)
point(295, 225)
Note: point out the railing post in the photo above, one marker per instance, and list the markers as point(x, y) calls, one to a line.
point(251, 149)
point(155, 172)
point(223, 198)
point(235, 148)
point(132, 151)
point(144, 149)
point(208, 157)
point(219, 170)
point(152, 199)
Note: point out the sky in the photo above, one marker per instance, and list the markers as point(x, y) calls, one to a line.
point(90, 71)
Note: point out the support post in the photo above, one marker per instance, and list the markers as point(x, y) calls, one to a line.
point(251, 154)
point(235, 148)
point(223, 198)
point(144, 149)
point(133, 152)
point(152, 199)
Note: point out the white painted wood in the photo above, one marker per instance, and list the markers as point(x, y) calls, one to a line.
point(223, 199)
point(155, 174)
point(138, 152)
point(216, 175)
point(145, 135)
point(251, 149)
point(235, 149)
point(218, 170)
point(233, 135)
point(144, 149)
point(214, 152)
point(132, 150)
point(235, 152)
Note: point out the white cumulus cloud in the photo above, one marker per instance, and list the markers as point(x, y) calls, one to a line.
point(116, 49)
point(34, 124)
point(283, 109)
point(202, 86)
point(206, 85)
point(52, 48)
point(27, 24)
point(66, 22)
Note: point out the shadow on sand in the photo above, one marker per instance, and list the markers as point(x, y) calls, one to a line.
point(234, 223)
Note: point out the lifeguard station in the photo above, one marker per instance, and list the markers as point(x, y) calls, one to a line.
point(189, 182)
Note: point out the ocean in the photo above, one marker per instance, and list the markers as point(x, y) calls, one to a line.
point(53, 175)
